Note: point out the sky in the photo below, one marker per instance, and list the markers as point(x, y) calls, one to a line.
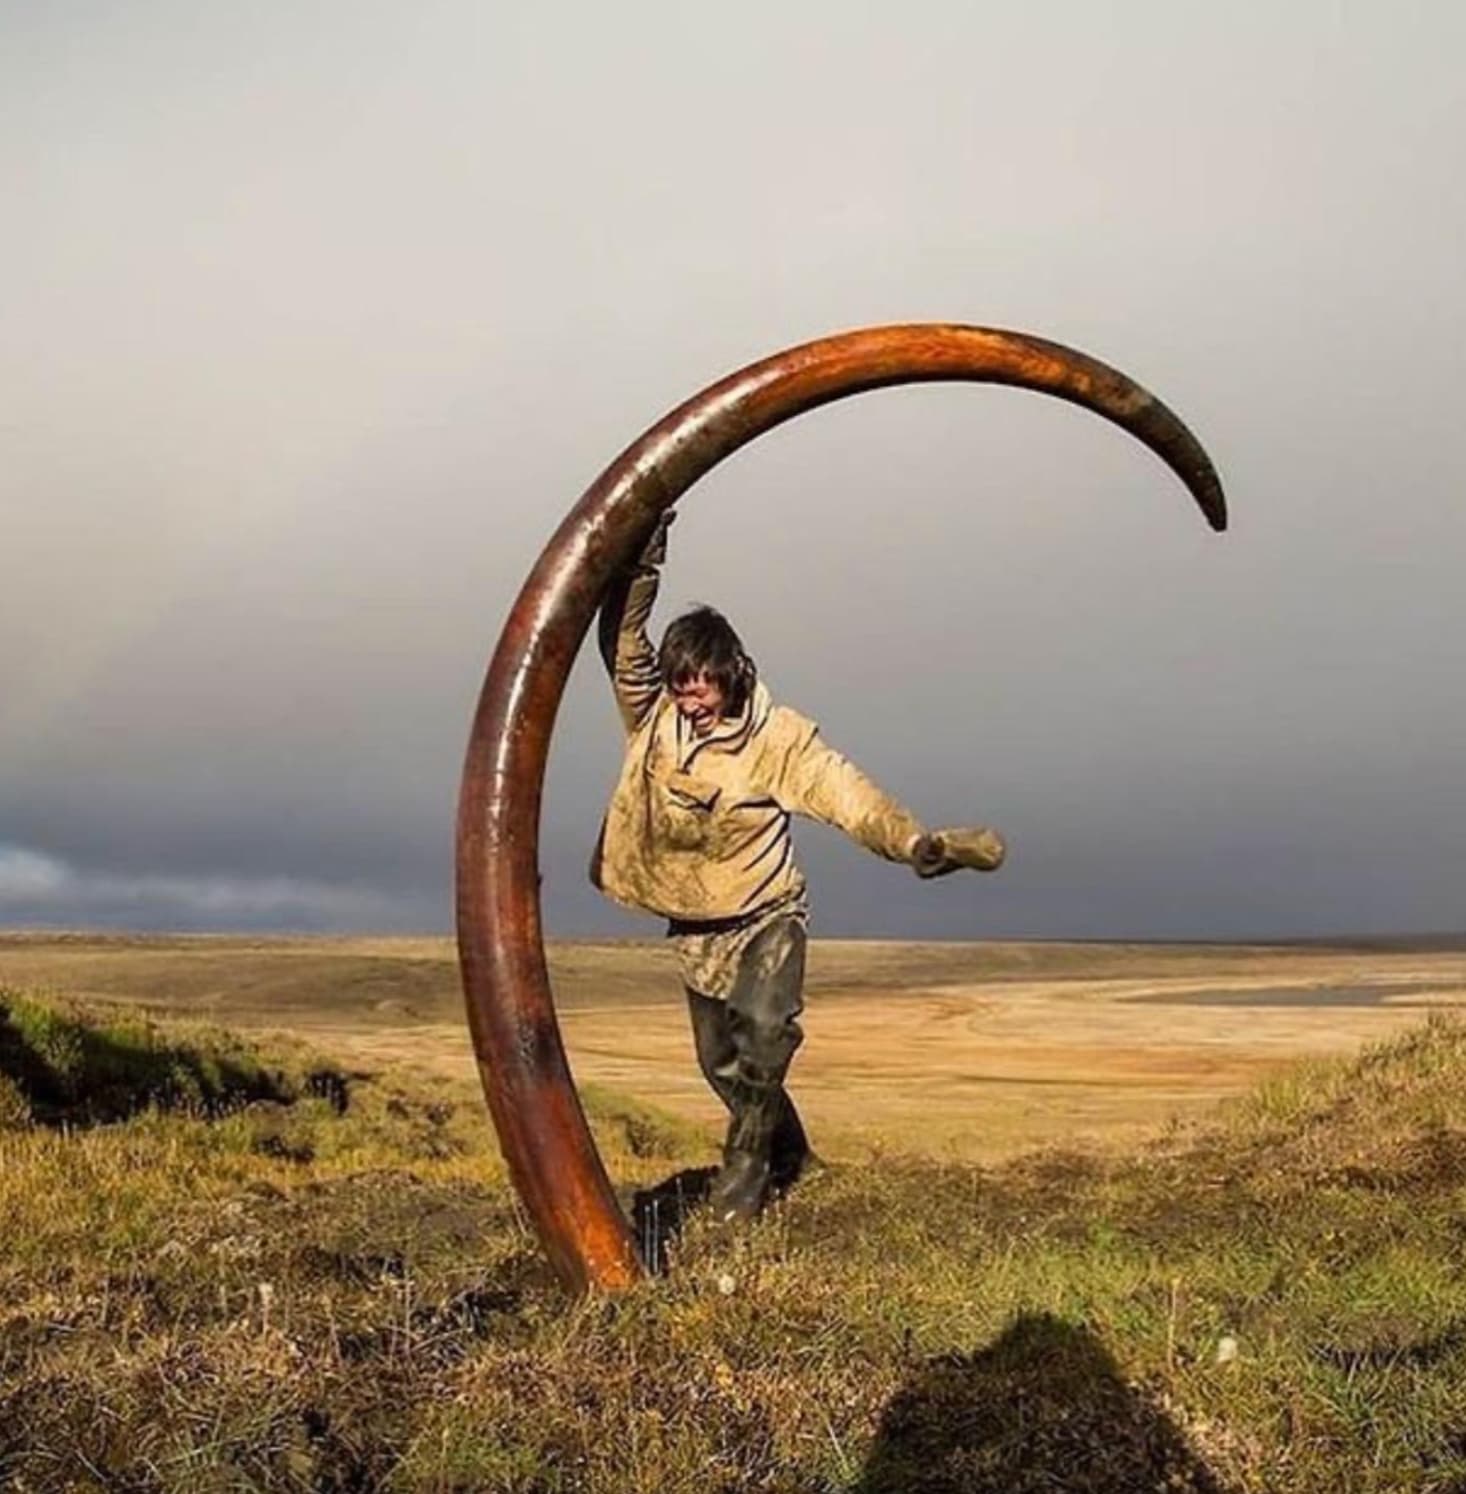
point(319, 317)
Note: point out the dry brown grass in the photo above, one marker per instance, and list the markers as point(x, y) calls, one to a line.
point(951, 1049)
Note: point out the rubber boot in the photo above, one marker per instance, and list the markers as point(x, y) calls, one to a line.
point(742, 1187)
point(717, 1056)
point(789, 1152)
point(747, 1065)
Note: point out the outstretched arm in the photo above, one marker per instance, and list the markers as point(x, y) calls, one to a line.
point(816, 781)
point(626, 650)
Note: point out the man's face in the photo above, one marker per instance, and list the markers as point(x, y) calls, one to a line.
point(700, 701)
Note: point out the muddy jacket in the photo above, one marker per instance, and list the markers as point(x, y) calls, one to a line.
point(698, 827)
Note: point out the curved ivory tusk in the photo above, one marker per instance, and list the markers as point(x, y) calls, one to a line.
point(542, 1130)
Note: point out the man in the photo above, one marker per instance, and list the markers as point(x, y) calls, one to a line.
point(698, 832)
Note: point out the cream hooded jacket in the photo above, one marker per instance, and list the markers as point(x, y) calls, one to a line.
point(698, 828)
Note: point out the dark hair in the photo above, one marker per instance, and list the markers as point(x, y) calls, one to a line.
point(702, 641)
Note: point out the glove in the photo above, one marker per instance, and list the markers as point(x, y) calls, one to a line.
point(946, 851)
point(654, 553)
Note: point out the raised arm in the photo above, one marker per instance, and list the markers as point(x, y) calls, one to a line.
point(626, 650)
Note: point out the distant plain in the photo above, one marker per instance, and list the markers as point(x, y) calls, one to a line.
point(976, 1051)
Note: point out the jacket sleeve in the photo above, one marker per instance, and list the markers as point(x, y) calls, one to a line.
point(626, 650)
point(814, 780)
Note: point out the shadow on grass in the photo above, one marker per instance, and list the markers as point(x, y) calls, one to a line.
point(1044, 1407)
point(658, 1213)
point(60, 1069)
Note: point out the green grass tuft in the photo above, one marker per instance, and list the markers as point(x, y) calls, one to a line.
point(61, 1065)
point(630, 1127)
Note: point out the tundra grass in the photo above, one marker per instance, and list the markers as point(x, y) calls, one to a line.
point(335, 1291)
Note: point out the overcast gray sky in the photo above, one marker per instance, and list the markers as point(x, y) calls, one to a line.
point(318, 317)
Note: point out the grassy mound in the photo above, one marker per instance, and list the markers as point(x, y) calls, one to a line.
point(304, 1298)
point(60, 1065)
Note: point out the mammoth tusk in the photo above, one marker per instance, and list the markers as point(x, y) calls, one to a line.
point(551, 1156)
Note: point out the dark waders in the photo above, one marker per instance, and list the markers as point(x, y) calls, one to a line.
point(744, 1048)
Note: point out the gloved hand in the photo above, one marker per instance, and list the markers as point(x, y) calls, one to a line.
point(654, 553)
point(945, 851)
